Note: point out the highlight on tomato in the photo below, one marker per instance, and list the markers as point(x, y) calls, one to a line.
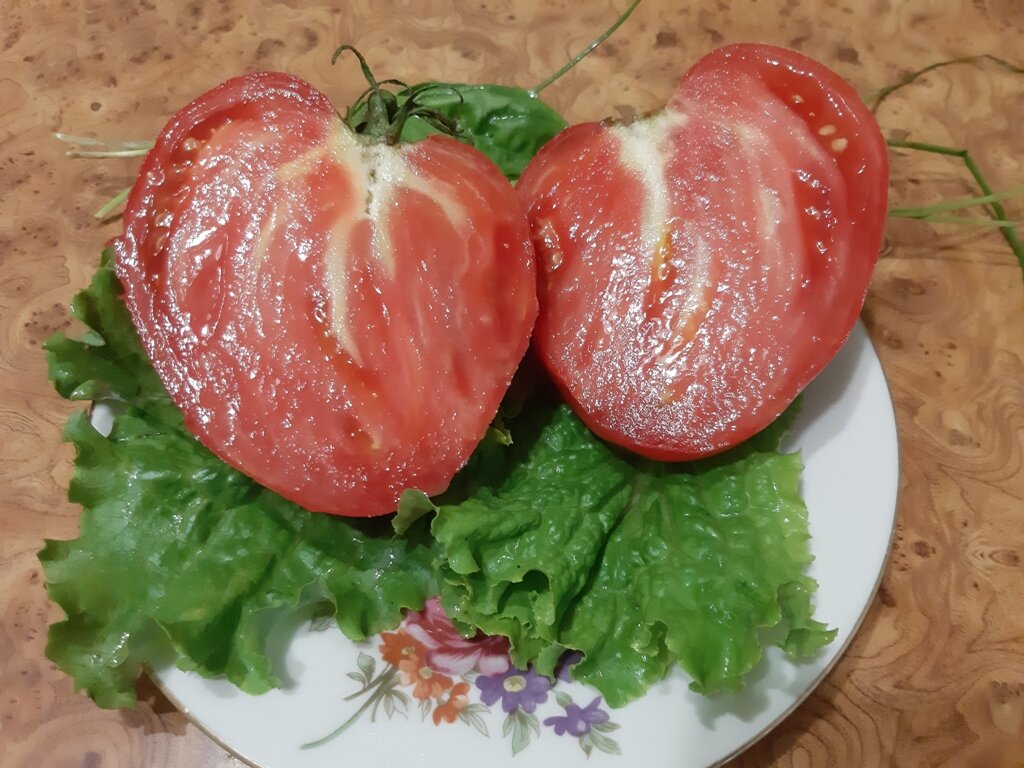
point(336, 315)
point(700, 266)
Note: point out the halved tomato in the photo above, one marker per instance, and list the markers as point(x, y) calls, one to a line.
point(338, 318)
point(700, 266)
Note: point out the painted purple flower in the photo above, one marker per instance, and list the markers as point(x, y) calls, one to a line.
point(516, 688)
point(563, 670)
point(578, 720)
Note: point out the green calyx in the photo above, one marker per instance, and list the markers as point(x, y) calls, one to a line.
point(381, 115)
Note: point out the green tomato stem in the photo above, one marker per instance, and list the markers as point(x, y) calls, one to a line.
point(380, 115)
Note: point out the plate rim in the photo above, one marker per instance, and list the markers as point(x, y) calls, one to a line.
point(882, 569)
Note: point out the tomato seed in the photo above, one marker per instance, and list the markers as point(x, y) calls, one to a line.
point(156, 239)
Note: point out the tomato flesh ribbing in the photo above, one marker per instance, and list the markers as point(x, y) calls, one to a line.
point(337, 319)
point(699, 267)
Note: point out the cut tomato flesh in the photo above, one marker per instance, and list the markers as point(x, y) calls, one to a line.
point(701, 266)
point(336, 319)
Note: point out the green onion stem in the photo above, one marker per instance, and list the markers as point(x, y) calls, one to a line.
point(953, 205)
point(87, 141)
point(112, 203)
point(1008, 230)
point(962, 220)
point(107, 152)
point(883, 93)
point(586, 51)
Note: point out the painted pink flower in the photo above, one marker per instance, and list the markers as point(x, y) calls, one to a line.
point(445, 650)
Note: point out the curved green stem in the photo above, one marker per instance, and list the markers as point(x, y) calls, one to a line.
point(374, 85)
point(381, 115)
point(883, 93)
point(586, 51)
point(1008, 230)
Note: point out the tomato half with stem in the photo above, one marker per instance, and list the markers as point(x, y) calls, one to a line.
point(700, 266)
point(336, 316)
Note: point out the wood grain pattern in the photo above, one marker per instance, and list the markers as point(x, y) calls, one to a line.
point(936, 675)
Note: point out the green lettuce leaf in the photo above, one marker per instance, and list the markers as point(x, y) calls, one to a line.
point(108, 360)
point(506, 123)
point(638, 564)
point(182, 558)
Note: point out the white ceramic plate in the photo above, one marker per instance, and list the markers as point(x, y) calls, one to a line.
point(847, 435)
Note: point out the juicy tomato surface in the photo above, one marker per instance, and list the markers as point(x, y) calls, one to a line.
point(337, 319)
point(699, 267)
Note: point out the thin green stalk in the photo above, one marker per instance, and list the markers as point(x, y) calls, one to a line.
point(953, 205)
point(1008, 230)
point(962, 220)
point(882, 94)
point(107, 152)
point(87, 141)
point(112, 203)
point(103, 147)
point(586, 51)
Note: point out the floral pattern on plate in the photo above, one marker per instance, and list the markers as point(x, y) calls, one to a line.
point(455, 679)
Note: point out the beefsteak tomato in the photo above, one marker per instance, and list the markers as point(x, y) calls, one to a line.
point(337, 317)
point(699, 266)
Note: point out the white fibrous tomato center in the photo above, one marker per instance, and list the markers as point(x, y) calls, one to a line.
point(380, 176)
point(679, 288)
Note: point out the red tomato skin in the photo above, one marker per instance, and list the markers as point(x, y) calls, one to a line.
point(699, 268)
point(338, 321)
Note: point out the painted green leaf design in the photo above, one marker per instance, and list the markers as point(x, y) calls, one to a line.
point(367, 665)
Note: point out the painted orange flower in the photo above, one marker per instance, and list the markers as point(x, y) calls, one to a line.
point(427, 684)
point(456, 702)
point(399, 646)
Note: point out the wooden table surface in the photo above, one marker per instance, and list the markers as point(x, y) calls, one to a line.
point(936, 674)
